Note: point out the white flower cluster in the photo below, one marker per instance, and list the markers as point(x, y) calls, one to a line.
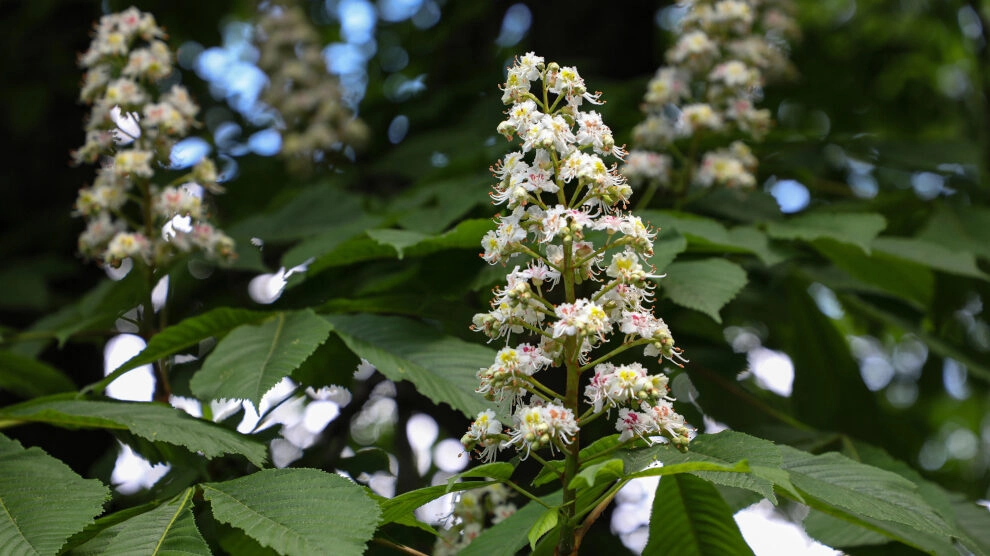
point(131, 130)
point(725, 51)
point(565, 216)
point(473, 510)
point(314, 120)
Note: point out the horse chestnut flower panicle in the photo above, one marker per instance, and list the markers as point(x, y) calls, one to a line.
point(561, 198)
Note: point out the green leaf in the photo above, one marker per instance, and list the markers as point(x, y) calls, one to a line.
point(836, 481)
point(508, 536)
point(168, 530)
point(42, 501)
point(400, 509)
point(150, 421)
point(707, 235)
point(441, 367)
point(704, 286)
point(960, 228)
point(496, 470)
point(388, 243)
point(931, 254)
point(466, 235)
point(839, 533)
point(551, 472)
point(184, 335)
point(726, 448)
point(310, 212)
point(252, 359)
point(974, 520)
point(897, 277)
point(826, 377)
point(30, 378)
point(399, 240)
point(691, 467)
point(605, 471)
point(690, 517)
point(666, 249)
point(546, 522)
point(859, 229)
point(98, 309)
point(297, 511)
point(756, 242)
point(431, 206)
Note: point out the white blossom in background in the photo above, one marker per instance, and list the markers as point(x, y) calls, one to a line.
point(707, 95)
point(473, 510)
point(314, 121)
point(132, 127)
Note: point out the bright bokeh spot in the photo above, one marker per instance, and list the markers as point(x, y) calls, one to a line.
point(791, 195)
point(137, 385)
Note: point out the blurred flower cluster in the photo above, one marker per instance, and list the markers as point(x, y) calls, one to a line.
point(564, 216)
point(706, 95)
point(314, 121)
point(473, 511)
point(138, 114)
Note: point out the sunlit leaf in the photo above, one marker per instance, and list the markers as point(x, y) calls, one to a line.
point(184, 335)
point(443, 368)
point(838, 482)
point(297, 511)
point(168, 530)
point(252, 359)
point(542, 525)
point(689, 517)
point(726, 448)
point(152, 422)
point(704, 286)
point(42, 501)
point(600, 472)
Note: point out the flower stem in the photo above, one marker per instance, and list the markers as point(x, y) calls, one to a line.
point(572, 462)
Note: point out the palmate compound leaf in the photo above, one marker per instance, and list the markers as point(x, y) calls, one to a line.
point(42, 501)
point(168, 530)
point(441, 367)
point(252, 359)
point(297, 511)
point(150, 421)
point(704, 286)
point(690, 518)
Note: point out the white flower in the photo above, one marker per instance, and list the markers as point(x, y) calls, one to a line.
point(175, 225)
point(128, 129)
